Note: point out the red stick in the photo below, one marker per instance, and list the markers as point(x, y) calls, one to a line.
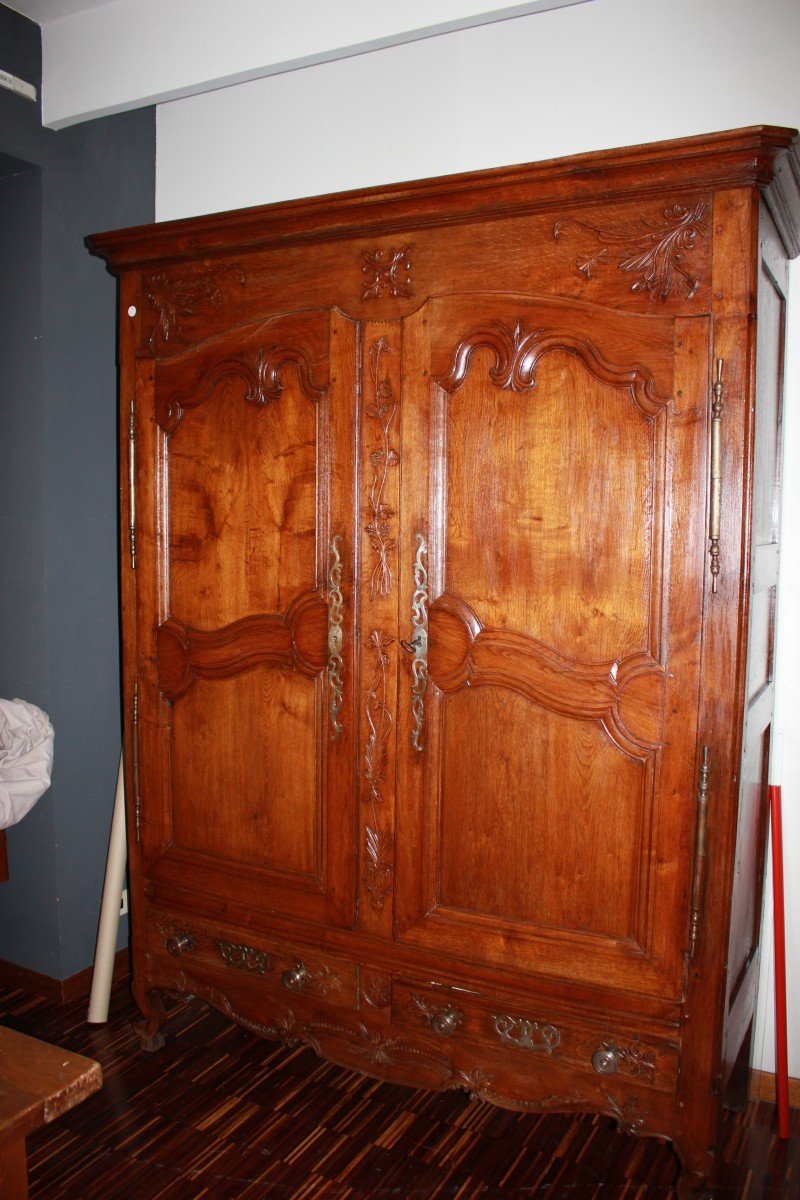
point(781, 1051)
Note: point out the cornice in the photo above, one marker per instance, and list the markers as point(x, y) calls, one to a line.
point(761, 156)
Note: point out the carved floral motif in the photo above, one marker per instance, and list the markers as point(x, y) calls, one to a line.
point(651, 251)
point(386, 271)
point(178, 298)
point(377, 991)
point(382, 410)
point(633, 1058)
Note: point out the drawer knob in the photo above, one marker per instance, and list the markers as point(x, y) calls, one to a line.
point(606, 1060)
point(178, 943)
point(445, 1021)
point(297, 977)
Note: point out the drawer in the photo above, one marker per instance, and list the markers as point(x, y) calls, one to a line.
point(600, 1049)
point(278, 965)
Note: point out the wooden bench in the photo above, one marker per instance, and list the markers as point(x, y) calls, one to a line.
point(38, 1082)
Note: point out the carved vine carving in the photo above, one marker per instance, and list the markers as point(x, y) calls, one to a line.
point(378, 841)
point(386, 271)
point(175, 299)
point(382, 410)
point(649, 250)
point(378, 870)
point(517, 354)
point(379, 719)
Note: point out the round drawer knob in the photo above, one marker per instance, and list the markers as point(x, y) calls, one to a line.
point(445, 1022)
point(605, 1060)
point(178, 943)
point(296, 978)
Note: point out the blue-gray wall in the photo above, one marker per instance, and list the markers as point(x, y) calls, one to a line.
point(59, 641)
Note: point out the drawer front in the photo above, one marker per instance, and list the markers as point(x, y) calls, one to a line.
point(278, 966)
point(516, 1034)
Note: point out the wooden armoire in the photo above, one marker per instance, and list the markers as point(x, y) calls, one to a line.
point(449, 562)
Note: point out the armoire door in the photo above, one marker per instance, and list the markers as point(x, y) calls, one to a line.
point(244, 536)
point(553, 563)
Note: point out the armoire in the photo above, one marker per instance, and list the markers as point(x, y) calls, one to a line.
point(449, 560)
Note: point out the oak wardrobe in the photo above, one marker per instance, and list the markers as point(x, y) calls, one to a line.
point(449, 561)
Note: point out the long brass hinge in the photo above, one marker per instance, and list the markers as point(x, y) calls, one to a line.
point(137, 803)
point(132, 485)
point(700, 852)
point(715, 504)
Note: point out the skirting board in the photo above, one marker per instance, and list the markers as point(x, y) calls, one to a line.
point(762, 1087)
point(62, 991)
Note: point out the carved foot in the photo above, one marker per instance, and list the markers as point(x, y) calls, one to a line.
point(150, 1041)
point(149, 1029)
point(692, 1187)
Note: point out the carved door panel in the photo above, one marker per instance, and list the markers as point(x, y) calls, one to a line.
point(245, 624)
point(553, 543)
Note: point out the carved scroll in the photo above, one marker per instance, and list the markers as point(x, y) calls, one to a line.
point(517, 354)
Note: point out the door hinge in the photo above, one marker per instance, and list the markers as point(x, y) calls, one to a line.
point(715, 499)
point(700, 852)
point(137, 803)
point(132, 485)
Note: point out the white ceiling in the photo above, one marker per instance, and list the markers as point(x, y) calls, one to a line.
point(43, 11)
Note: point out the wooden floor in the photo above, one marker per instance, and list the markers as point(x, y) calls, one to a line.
point(222, 1115)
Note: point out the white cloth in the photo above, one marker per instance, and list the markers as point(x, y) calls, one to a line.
point(26, 758)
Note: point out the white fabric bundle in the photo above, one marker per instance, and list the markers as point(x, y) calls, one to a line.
point(26, 758)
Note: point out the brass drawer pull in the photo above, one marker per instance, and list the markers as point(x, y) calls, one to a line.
point(531, 1036)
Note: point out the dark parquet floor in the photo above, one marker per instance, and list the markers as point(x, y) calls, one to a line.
point(219, 1114)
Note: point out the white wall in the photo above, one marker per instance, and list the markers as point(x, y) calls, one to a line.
point(115, 56)
point(610, 73)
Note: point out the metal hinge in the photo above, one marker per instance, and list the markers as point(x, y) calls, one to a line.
point(132, 486)
point(700, 852)
point(137, 803)
point(715, 503)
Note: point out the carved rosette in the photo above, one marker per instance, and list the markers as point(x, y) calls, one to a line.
point(387, 272)
point(652, 252)
point(377, 991)
point(177, 298)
